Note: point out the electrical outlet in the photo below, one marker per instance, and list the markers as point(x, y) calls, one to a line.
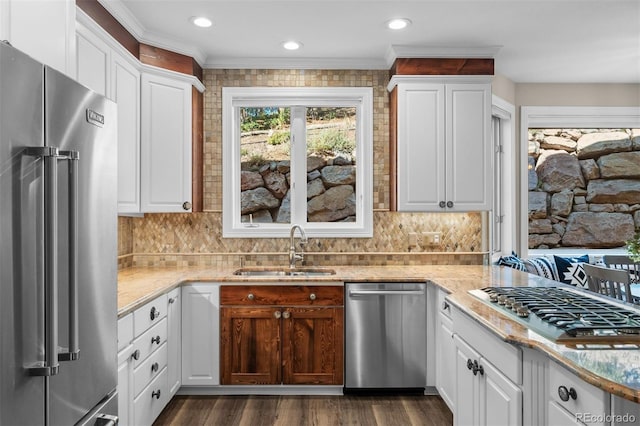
point(413, 239)
point(431, 238)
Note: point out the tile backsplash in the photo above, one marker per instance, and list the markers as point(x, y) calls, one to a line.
point(196, 239)
point(185, 239)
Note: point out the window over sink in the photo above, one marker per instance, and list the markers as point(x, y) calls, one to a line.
point(297, 156)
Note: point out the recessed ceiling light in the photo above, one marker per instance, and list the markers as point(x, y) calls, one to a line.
point(292, 45)
point(398, 23)
point(201, 21)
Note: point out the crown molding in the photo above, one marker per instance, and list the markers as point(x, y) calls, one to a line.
point(123, 15)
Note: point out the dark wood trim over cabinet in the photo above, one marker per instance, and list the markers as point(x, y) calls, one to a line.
point(281, 335)
point(442, 66)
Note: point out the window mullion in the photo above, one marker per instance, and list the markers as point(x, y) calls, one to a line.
point(298, 165)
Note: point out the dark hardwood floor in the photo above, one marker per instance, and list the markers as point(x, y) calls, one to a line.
point(306, 410)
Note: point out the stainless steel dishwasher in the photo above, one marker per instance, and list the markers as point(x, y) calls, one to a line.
point(385, 336)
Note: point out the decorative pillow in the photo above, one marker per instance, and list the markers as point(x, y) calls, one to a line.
point(512, 261)
point(543, 267)
point(570, 270)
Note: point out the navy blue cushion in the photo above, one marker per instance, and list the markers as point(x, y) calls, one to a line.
point(512, 261)
point(570, 270)
point(542, 266)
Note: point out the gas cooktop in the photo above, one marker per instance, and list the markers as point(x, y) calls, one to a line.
point(564, 315)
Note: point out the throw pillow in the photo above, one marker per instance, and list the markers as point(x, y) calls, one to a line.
point(512, 261)
point(570, 270)
point(543, 267)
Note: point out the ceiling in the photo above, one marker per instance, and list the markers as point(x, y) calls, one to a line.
point(544, 41)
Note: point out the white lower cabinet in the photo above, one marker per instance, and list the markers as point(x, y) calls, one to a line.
point(201, 334)
point(143, 354)
point(445, 352)
point(125, 370)
point(572, 398)
point(485, 394)
point(174, 341)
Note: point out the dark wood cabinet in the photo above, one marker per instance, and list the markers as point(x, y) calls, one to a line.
point(281, 334)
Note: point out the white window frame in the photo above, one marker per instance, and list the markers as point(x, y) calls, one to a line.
point(506, 198)
point(562, 117)
point(234, 98)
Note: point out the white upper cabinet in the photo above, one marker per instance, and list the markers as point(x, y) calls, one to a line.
point(165, 144)
point(43, 29)
point(106, 68)
point(125, 83)
point(154, 121)
point(444, 152)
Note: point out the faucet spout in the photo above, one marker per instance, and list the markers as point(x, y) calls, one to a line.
point(293, 255)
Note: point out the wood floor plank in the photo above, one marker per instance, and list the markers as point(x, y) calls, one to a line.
point(306, 411)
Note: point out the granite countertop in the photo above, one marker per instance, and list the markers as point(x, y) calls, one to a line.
point(616, 371)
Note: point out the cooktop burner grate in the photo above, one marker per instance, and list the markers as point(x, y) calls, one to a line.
point(562, 314)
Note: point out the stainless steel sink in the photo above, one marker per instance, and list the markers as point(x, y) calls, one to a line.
point(284, 272)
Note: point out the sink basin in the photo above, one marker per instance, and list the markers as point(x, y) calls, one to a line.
point(284, 272)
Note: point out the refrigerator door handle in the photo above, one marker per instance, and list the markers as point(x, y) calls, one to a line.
point(72, 157)
point(49, 366)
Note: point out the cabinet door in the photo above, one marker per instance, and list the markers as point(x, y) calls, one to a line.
point(312, 341)
point(200, 334)
point(43, 29)
point(93, 63)
point(500, 399)
point(468, 148)
point(125, 386)
point(125, 91)
point(421, 149)
point(467, 408)
point(560, 416)
point(250, 345)
point(174, 341)
point(445, 361)
point(165, 145)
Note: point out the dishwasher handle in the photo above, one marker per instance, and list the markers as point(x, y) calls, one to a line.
point(386, 293)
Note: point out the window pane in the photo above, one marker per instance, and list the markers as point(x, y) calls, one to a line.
point(331, 164)
point(265, 164)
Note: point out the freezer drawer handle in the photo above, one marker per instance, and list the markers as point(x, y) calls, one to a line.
point(386, 292)
point(106, 420)
point(73, 352)
point(49, 365)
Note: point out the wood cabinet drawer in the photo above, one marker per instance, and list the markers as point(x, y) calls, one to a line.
point(588, 398)
point(150, 368)
point(282, 295)
point(148, 342)
point(149, 404)
point(149, 314)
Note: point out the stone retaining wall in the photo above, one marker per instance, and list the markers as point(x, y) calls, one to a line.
point(331, 191)
point(584, 187)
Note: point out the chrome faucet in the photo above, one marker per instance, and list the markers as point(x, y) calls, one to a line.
point(293, 256)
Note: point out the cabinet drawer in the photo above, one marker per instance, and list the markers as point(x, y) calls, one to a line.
point(150, 314)
point(149, 404)
point(125, 331)
point(150, 368)
point(282, 295)
point(589, 399)
point(151, 340)
point(495, 350)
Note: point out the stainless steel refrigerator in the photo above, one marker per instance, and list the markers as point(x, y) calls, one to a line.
point(58, 247)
